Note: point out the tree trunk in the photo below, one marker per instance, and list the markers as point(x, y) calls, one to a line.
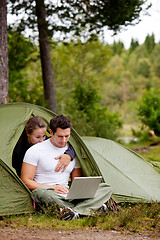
point(47, 71)
point(3, 53)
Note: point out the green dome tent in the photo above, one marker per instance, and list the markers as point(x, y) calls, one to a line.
point(15, 197)
point(131, 177)
point(96, 156)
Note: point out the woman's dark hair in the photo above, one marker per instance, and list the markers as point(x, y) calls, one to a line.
point(33, 123)
point(60, 122)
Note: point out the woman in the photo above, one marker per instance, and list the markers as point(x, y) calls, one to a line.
point(35, 132)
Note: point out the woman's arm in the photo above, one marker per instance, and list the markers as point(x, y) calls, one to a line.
point(70, 151)
point(65, 159)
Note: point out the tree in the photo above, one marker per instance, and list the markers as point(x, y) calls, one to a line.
point(48, 78)
point(3, 53)
point(94, 119)
point(143, 67)
point(19, 54)
point(22, 59)
point(150, 43)
point(117, 47)
point(71, 16)
point(149, 111)
point(155, 59)
point(133, 45)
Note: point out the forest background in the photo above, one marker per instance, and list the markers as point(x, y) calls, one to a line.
point(98, 86)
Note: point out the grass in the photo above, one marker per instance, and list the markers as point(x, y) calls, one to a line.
point(140, 217)
point(152, 154)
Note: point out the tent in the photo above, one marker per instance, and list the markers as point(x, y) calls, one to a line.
point(131, 177)
point(15, 197)
point(117, 165)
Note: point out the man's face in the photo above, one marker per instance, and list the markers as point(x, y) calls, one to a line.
point(60, 137)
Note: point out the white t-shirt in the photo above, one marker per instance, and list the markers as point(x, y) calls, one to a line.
point(43, 156)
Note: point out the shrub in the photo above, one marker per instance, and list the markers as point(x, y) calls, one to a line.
point(149, 110)
point(89, 116)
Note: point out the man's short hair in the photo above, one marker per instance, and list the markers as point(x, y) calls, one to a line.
point(60, 122)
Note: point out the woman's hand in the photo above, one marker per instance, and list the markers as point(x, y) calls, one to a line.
point(64, 160)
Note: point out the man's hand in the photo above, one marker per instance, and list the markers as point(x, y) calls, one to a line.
point(63, 162)
point(60, 189)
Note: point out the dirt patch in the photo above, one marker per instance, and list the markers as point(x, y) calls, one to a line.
point(9, 233)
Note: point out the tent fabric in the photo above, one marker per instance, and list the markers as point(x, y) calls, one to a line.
point(15, 197)
point(156, 165)
point(130, 176)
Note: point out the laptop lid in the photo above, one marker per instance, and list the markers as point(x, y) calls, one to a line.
point(83, 187)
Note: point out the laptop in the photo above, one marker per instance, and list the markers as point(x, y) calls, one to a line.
point(83, 188)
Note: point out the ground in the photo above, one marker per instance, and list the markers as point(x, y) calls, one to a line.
point(9, 233)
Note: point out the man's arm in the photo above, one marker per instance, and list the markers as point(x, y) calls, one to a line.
point(27, 174)
point(77, 172)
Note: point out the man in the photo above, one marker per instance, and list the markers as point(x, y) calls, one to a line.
point(47, 185)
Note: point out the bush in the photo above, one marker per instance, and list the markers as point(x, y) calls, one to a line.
point(149, 110)
point(89, 117)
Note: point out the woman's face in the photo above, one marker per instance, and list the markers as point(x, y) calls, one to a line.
point(38, 135)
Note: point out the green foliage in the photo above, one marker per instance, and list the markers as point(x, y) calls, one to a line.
point(149, 110)
point(116, 81)
point(114, 69)
point(76, 16)
point(133, 45)
point(155, 58)
point(21, 53)
point(144, 67)
point(19, 50)
point(85, 97)
point(153, 154)
point(150, 43)
point(133, 217)
point(141, 134)
point(157, 67)
point(78, 61)
point(89, 117)
point(117, 47)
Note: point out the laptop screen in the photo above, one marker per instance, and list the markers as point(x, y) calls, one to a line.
point(84, 187)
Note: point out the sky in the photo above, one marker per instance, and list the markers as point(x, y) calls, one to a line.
point(148, 25)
